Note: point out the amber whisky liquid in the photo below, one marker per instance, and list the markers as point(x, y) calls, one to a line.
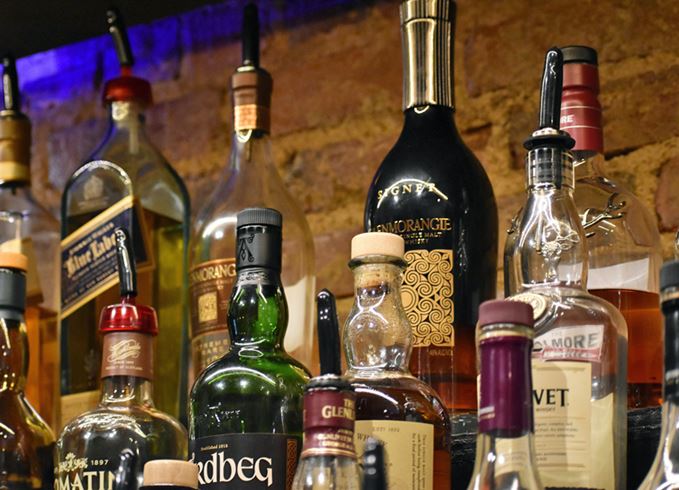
point(641, 310)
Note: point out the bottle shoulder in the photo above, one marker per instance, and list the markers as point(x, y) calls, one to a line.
point(27, 428)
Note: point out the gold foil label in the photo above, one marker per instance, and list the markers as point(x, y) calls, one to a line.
point(251, 116)
point(409, 451)
point(427, 295)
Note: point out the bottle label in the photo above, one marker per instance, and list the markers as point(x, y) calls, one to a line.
point(86, 473)
point(88, 255)
point(210, 286)
point(427, 295)
point(572, 343)
point(245, 461)
point(409, 451)
point(329, 423)
point(570, 427)
point(127, 354)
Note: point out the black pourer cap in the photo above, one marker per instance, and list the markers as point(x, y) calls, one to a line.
point(258, 238)
point(328, 334)
point(374, 473)
point(669, 275)
point(580, 54)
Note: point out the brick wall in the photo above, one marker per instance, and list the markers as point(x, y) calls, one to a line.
point(337, 96)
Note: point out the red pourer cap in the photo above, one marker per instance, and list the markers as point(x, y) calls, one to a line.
point(127, 87)
point(129, 317)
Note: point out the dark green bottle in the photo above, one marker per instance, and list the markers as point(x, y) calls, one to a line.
point(245, 415)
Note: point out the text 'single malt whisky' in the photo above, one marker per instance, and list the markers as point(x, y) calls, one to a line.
point(431, 190)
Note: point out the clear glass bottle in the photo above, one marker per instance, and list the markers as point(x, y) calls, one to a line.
point(26, 442)
point(391, 403)
point(328, 459)
point(664, 472)
point(505, 449)
point(374, 472)
point(126, 182)
point(248, 404)
point(431, 190)
point(27, 227)
point(622, 235)
point(580, 347)
point(250, 180)
point(112, 442)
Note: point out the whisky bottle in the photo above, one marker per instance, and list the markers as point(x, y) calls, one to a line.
point(505, 450)
point(392, 404)
point(170, 474)
point(328, 459)
point(28, 228)
point(250, 179)
point(108, 446)
point(622, 234)
point(580, 346)
point(374, 474)
point(432, 190)
point(246, 408)
point(664, 472)
point(126, 183)
point(26, 442)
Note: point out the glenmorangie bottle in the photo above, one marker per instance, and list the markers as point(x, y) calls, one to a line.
point(126, 183)
point(432, 191)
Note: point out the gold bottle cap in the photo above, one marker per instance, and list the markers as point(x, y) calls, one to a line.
point(251, 91)
point(377, 243)
point(15, 147)
point(171, 472)
point(13, 260)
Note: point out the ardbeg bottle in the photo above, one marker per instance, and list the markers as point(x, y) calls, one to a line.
point(250, 179)
point(125, 183)
point(27, 227)
point(246, 408)
point(432, 191)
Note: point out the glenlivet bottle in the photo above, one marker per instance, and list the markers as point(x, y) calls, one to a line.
point(664, 472)
point(28, 228)
point(250, 179)
point(505, 450)
point(328, 459)
point(26, 442)
point(622, 235)
point(246, 408)
point(126, 183)
point(580, 346)
point(106, 448)
point(391, 404)
point(431, 190)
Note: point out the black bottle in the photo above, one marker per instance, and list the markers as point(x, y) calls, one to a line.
point(433, 191)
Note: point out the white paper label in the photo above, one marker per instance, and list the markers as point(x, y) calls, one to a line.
point(572, 343)
point(630, 275)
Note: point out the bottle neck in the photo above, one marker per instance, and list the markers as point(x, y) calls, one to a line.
point(13, 352)
point(251, 152)
point(126, 126)
point(427, 40)
point(126, 391)
point(503, 459)
point(377, 334)
point(258, 311)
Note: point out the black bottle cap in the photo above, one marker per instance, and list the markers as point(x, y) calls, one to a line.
point(13, 267)
point(328, 334)
point(258, 238)
point(374, 474)
point(580, 54)
point(669, 275)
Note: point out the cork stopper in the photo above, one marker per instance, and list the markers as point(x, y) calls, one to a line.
point(13, 260)
point(170, 472)
point(377, 243)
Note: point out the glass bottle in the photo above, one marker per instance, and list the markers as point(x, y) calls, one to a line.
point(249, 180)
point(505, 450)
point(27, 227)
point(374, 474)
point(391, 403)
point(26, 442)
point(622, 235)
point(126, 182)
point(432, 190)
point(247, 406)
point(328, 459)
point(664, 472)
point(580, 347)
point(170, 474)
point(111, 443)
